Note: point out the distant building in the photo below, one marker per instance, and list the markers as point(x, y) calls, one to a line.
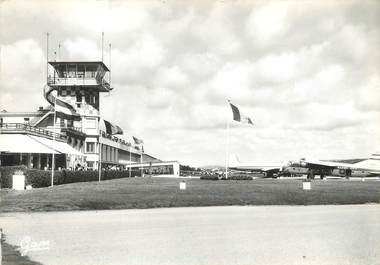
point(71, 128)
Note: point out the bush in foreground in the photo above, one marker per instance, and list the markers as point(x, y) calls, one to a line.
point(240, 177)
point(42, 178)
point(210, 177)
point(7, 173)
point(234, 177)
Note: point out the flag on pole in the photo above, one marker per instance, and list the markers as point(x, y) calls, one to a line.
point(112, 128)
point(238, 116)
point(137, 140)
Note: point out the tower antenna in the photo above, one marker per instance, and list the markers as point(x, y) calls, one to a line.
point(59, 51)
point(102, 44)
point(47, 57)
point(110, 63)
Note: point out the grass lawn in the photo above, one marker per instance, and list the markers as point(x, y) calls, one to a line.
point(143, 193)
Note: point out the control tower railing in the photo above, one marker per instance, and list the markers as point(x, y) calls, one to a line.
point(74, 81)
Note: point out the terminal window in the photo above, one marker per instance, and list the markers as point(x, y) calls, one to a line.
point(90, 147)
point(90, 123)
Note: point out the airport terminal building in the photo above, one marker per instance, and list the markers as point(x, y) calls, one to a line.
point(71, 130)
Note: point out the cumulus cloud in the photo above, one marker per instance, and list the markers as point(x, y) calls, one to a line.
point(268, 24)
point(23, 72)
point(307, 73)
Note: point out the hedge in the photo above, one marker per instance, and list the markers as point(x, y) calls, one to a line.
point(42, 178)
point(233, 177)
point(210, 177)
point(240, 177)
point(6, 174)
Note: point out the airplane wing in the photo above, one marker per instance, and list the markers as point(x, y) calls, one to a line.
point(326, 164)
point(255, 168)
point(234, 163)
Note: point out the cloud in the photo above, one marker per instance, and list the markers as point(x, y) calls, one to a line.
point(268, 24)
point(368, 96)
point(172, 77)
point(23, 71)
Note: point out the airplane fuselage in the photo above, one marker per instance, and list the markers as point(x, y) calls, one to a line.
point(296, 170)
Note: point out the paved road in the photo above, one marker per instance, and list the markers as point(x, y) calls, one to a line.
point(208, 235)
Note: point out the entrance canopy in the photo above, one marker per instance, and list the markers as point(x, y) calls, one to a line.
point(22, 143)
point(57, 146)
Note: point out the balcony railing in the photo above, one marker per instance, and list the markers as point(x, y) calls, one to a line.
point(73, 131)
point(28, 129)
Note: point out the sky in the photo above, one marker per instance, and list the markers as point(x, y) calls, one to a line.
point(306, 72)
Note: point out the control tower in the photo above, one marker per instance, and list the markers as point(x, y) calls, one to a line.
point(79, 84)
point(77, 100)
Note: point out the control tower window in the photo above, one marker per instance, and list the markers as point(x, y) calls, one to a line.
point(92, 99)
point(79, 96)
point(80, 72)
point(90, 71)
point(71, 71)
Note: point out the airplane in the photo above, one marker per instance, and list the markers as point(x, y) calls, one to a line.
point(360, 168)
point(269, 169)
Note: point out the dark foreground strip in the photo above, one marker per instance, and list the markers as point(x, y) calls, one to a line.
point(11, 256)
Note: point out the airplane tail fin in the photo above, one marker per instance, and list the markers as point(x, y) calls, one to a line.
point(372, 162)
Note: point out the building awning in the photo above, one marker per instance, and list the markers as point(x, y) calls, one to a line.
point(22, 143)
point(60, 147)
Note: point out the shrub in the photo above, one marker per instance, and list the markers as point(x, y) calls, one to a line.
point(7, 173)
point(42, 178)
point(210, 177)
point(78, 176)
point(117, 174)
point(240, 177)
point(233, 177)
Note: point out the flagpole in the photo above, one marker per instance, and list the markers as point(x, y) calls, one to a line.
point(130, 161)
point(228, 144)
point(141, 160)
point(53, 154)
point(54, 116)
point(100, 157)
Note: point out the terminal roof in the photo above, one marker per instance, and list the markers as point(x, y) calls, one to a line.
point(54, 63)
